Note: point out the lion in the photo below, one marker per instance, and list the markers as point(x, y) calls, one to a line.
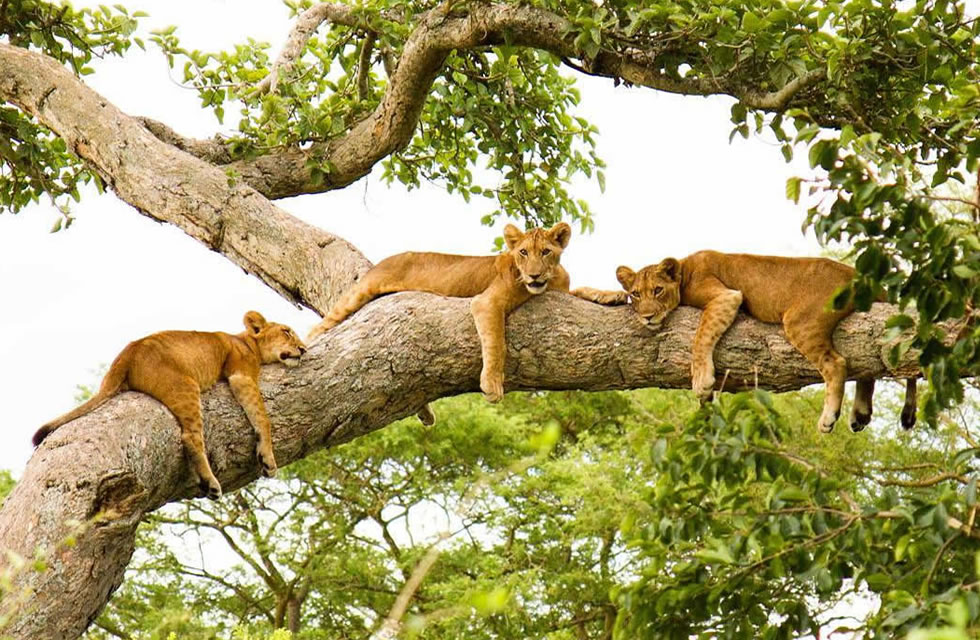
point(795, 292)
point(176, 366)
point(498, 285)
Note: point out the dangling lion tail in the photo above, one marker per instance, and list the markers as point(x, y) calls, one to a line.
point(113, 382)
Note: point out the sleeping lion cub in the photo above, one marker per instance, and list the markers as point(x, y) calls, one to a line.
point(795, 292)
point(176, 366)
point(498, 285)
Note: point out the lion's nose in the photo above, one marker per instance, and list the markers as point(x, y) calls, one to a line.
point(534, 276)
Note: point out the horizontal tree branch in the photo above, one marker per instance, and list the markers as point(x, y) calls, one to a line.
point(383, 363)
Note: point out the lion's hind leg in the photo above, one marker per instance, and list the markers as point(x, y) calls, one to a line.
point(183, 397)
point(810, 330)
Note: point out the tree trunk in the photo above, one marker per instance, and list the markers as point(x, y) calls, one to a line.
point(114, 465)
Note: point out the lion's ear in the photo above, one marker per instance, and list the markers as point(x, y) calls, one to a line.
point(254, 322)
point(671, 268)
point(625, 275)
point(561, 233)
point(512, 235)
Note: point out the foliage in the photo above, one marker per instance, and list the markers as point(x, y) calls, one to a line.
point(507, 106)
point(33, 161)
point(339, 536)
point(648, 519)
point(758, 533)
point(7, 483)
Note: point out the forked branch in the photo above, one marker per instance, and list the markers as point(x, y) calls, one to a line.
point(286, 171)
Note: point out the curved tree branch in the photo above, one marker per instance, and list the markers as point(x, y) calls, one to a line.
point(285, 172)
point(383, 363)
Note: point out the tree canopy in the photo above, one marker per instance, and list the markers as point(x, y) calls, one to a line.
point(478, 96)
point(574, 515)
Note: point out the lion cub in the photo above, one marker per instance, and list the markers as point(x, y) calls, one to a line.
point(498, 285)
point(176, 366)
point(795, 292)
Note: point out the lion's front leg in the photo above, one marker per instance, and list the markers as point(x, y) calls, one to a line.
point(489, 315)
point(599, 296)
point(717, 316)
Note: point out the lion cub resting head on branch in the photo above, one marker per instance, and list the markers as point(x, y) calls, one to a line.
point(498, 285)
point(795, 292)
point(176, 366)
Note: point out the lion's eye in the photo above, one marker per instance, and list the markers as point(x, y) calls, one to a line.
point(545, 252)
point(524, 252)
point(658, 291)
point(634, 294)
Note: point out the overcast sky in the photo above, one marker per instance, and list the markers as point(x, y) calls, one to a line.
point(72, 300)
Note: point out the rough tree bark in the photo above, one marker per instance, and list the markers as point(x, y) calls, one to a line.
point(109, 468)
point(303, 263)
point(384, 363)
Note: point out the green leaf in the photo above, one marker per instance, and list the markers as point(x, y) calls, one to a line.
point(793, 189)
point(751, 22)
point(965, 272)
point(878, 582)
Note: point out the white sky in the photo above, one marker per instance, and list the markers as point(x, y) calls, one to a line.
point(72, 300)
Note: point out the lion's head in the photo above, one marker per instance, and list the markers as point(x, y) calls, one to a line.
point(277, 342)
point(536, 253)
point(654, 291)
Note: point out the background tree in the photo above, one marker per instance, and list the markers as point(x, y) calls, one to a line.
point(648, 518)
point(884, 102)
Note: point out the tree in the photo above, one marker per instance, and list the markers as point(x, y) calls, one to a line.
point(884, 101)
point(645, 518)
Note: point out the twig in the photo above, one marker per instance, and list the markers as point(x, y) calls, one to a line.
point(935, 562)
point(364, 65)
point(392, 623)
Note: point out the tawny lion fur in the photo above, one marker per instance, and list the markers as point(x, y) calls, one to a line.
point(795, 292)
point(498, 285)
point(176, 366)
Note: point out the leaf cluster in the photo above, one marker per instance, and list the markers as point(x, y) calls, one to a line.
point(33, 161)
point(760, 531)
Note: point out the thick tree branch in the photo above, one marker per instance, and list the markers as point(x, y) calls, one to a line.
point(383, 363)
point(285, 172)
point(303, 263)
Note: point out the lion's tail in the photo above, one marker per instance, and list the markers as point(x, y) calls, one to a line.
point(113, 382)
point(361, 294)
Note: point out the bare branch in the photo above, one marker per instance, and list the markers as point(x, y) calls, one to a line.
point(306, 24)
point(214, 151)
point(364, 65)
point(392, 624)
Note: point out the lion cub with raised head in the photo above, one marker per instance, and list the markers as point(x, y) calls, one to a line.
point(498, 285)
point(795, 292)
point(176, 366)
